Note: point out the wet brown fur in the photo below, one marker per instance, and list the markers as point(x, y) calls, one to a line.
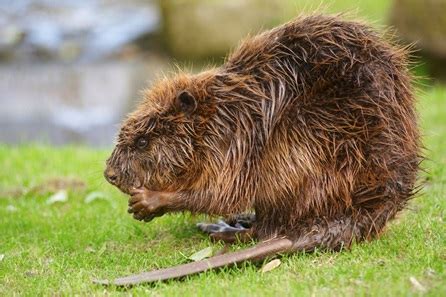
point(310, 124)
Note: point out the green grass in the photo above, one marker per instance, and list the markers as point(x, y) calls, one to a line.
point(59, 248)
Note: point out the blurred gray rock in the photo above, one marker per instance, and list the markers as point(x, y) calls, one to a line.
point(75, 103)
point(119, 27)
point(87, 30)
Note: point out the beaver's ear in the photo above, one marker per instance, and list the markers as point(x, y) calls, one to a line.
point(186, 102)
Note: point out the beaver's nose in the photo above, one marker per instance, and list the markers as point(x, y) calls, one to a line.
point(110, 175)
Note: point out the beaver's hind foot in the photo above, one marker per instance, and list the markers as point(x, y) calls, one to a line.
point(238, 228)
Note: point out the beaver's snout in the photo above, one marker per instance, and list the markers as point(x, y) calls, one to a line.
point(120, 179)
point(110, 175)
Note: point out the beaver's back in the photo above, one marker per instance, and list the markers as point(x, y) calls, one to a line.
point(340, 113)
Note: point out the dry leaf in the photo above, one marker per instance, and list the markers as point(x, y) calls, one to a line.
point(90, 249)
point(60, 196)
point(430, 272)
point(48, 261)
point(417, 285)
point(94, 196)
point(11, 208)
point(271, 265)
point(200, 255)
point(102, 250)
point(31, 273)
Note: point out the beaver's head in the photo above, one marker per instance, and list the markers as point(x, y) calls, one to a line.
point(160, 145)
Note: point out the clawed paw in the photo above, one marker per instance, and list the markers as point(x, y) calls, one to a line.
point(145, 205)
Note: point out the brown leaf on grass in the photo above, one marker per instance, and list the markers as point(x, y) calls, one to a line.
point(430, 272)
point(271, 265)
point(102, 249)
point(90, 249)
point(417, 285)
point(47, 261)
point(31, 273)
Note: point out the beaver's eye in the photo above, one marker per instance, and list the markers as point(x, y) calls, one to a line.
point(142, 142)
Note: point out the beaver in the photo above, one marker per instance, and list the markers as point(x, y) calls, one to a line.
point(310, 125)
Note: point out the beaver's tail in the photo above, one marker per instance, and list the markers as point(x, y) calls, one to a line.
point(258, 252)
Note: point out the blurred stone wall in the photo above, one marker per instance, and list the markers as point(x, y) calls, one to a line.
point(199, 30)
point(423, 23)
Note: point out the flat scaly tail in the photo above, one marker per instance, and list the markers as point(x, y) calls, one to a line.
point(257, 252)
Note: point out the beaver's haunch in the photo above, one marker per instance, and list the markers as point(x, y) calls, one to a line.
point(311, 125)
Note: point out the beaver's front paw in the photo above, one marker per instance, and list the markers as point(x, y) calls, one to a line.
point(146, 205)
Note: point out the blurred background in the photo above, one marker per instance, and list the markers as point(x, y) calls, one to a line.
point(71, 69)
